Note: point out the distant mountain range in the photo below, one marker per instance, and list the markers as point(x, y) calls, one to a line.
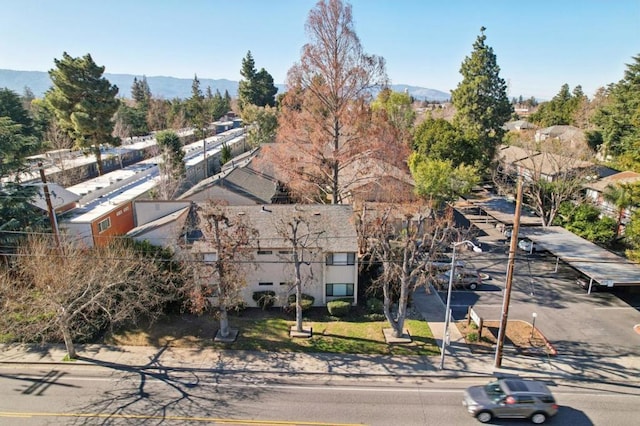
point(170, 87)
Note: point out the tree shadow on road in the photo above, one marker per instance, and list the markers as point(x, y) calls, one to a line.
point(153, 394)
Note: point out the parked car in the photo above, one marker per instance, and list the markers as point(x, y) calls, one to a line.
point(443, 264)
point(510, 399)
point(464, 278)
point(528, 246)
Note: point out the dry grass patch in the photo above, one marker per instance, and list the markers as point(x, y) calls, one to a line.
point(269, 331)
point(519, 334)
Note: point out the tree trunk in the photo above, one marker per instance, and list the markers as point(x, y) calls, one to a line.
point(98, 154)
point(298, 307)
point(68, 341)
point(402, 307)
point(224, 322)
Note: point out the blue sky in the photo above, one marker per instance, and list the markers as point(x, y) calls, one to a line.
point(540, 44)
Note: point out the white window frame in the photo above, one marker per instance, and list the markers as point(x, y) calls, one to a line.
point(346, 288)
point(101, 227)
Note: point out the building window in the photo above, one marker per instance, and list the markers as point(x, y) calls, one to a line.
point(264, 283)
point(339, 290)
point(265, 252)
point(341, 259)
point(104, 225)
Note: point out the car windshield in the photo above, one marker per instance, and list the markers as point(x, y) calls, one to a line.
point(494, 391)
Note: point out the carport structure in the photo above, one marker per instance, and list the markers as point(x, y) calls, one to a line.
point(598, 264)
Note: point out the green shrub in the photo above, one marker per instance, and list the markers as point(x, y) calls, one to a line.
point(375, 317)
point(473, 326)
point(338, 308)
point(374, 306)
point(264, 299)
point(306, 302)
point(472, 337)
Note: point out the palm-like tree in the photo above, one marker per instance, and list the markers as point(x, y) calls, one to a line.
point(621, 196)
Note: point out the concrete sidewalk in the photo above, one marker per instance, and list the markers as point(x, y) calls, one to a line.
point(458, 364)
point(459, 361)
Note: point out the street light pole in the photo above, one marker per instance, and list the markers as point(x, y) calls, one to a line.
point(447, 314)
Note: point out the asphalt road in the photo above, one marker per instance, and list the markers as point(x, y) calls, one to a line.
point(577, 323)
point(79, 396)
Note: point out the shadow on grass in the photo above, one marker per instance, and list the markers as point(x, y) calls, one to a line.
point(269, 331)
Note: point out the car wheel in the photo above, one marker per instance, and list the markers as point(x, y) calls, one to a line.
point(484, 416)
point(473, 286)
point(538, 418)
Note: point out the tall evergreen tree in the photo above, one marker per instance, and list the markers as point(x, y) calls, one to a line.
point(226, 101)
point(248, 73)
point(196, 108)
point(560, 109)
point(257, 87)
point(12, 106)
point(140, 91)
point(265, 90)
point(619, 118)
point(481, 101)
point(83, 102)
point(15, 212)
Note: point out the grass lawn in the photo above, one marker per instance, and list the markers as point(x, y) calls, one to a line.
point(269, 331)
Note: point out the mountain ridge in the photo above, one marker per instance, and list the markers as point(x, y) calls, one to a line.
point(168, 87)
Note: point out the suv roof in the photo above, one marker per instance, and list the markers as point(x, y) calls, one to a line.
point(515, 386)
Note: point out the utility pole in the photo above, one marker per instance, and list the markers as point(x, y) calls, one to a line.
point(510, 266)
point(52, 214)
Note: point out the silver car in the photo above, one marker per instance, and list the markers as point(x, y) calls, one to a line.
point(510, 398)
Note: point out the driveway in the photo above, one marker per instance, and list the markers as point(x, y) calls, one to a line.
point(577, 324)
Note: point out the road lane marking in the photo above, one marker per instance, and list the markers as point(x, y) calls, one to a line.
point(178, 418)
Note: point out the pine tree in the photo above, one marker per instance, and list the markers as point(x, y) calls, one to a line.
point(195, 108)
point(245, 86)
point(15, 211)
point(619, 118)
point(481, 101)
point(12, 106)
point(140, 92)
point(265, 90)
point(83, 102)
point(257, 87)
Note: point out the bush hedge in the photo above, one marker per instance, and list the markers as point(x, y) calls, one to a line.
point(338, 308)
point(264, 299)
point(306, 302)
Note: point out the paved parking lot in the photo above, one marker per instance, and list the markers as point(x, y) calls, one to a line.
point(576, 323)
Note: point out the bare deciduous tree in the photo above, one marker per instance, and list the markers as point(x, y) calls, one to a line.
point(79, 289)
point(552, 173)
point(225, 256)
point(302, 238)
point(325, 118)
point(404, 239)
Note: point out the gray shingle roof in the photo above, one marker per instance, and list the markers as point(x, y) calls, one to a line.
point(332, 223)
